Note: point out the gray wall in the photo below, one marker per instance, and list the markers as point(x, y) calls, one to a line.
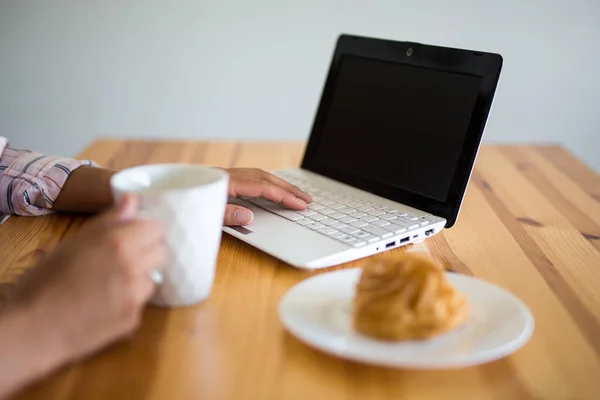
point(74, 70)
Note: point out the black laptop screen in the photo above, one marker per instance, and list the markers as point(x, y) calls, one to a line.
point(397, 124)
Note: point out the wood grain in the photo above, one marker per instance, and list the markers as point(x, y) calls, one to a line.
point(530, 223)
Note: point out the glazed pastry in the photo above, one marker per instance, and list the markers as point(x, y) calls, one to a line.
point(406, 298)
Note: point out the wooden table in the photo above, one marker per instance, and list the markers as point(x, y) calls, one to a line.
point(530, 223)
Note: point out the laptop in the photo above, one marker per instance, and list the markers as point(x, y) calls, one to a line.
point(390, 155)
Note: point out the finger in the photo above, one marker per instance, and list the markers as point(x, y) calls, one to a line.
point(256, 174)
point(140, 234)
point(152, 260)
point(127, 209)
point(141, 266)
point(296, 191)
point(237, 215)
point(270, 191)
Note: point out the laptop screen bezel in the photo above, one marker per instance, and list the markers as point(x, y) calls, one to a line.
point(485, 65)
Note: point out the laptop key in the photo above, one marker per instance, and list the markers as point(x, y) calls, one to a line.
point(336, 215)
point(364, 236)
point(358, 224)
point(328, 221)
point(377, 231)
point(314, 226)
point(357, 214)
point(336, 235)
point(410, 218)
point(315, 206)
point(403, 223)
point(346, 210)
point(375, 212)
point(368, 218)
point(327, 211)
point(395, 228)
point(365, 208)
point(367, 237)
point(347, 219)
point(387, 217)
point(307, 213)
point(372, 239)
point(356, 242)
point(349, 230)
point(380, 222)
point(345, 238)
point(327, 231)
point(338, 225)
point(407, 224)
point(304, 221)
point(317, 217)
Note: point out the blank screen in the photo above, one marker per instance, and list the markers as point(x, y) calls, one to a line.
point(397, 124)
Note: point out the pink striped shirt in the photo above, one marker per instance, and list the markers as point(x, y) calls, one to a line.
point(30, 182)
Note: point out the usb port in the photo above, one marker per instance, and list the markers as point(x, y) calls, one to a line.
point(429, 232)
point(390, 244)
point(404, 240)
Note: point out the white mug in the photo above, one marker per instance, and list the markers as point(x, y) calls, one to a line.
point(190, 201)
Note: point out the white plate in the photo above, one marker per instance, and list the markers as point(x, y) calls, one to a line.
point(318, 312)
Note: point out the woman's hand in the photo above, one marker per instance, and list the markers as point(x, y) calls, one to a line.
point(83, 296)
point(252, 182)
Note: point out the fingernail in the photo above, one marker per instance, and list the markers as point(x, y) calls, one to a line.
point(243, 217)
point(300, 203)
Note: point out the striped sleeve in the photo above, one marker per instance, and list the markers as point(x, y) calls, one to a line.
point(30, 182)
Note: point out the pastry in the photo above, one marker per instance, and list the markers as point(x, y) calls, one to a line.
point(406, 298)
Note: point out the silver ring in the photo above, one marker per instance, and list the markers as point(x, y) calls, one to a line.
point(156, 277)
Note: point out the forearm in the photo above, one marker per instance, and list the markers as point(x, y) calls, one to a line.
point(29, 349)
point(33, 183)
point(87, 190)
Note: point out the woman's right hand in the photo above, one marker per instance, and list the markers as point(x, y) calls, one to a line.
point(92, 289)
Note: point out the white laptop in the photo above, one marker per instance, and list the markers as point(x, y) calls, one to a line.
point(389, 157)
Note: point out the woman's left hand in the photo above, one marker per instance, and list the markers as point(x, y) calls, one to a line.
point(252, 182)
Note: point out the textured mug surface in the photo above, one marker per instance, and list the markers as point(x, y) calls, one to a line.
point(190, 201)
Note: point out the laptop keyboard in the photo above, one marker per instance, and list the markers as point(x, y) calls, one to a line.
point(345, 218)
